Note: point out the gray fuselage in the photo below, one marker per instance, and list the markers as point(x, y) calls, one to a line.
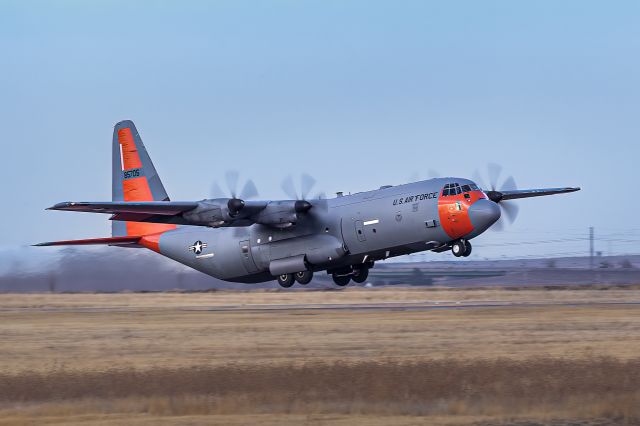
point(338, 232)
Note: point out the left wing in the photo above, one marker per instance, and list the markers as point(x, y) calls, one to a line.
point(167, 208)
point(143, 211)
point(215, 213)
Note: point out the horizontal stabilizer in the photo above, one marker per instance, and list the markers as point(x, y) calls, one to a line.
point(113, 241)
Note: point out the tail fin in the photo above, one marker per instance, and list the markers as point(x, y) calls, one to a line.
point(134, 178)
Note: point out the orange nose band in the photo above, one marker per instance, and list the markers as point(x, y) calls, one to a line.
point(454, 212)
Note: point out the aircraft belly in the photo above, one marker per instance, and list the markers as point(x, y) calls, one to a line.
point(215, 252)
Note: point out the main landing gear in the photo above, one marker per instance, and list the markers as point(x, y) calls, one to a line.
point(287, 280)
point(358, 274)
point(342, 276)
point(304, 277)
point(341, 280)
point(461, 248)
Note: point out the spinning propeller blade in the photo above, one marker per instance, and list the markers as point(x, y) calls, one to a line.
point(509, 210)
point(232, 179)
point(303, 202)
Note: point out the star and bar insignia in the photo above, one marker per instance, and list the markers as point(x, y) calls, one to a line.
point(197, 247)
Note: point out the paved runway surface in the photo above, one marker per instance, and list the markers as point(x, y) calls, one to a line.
point(404, 306)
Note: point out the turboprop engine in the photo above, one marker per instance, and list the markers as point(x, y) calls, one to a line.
point(236, 212)
point(214, 213)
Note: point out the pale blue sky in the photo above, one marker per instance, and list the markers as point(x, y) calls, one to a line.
point(357, 93)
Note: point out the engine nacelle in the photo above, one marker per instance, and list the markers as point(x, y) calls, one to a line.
point(279, 214)
point(214, 212)
point(236, 212)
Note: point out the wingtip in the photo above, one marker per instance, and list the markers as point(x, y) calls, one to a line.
point(61, 206)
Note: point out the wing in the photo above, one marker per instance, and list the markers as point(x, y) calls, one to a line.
point(145, 211)
point(526, 193)
point(214, 213)
point(165, 208)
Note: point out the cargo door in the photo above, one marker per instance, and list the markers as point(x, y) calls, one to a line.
point(353, 235)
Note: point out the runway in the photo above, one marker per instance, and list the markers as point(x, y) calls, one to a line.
point(391, 306)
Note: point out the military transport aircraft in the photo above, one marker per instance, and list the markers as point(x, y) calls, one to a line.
point(247, 241)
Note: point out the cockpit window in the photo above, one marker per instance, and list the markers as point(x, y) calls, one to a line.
point(456, 188)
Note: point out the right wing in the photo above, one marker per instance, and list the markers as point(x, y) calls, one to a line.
point(526, 193)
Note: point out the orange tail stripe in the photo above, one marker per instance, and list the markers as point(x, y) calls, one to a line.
point(130, 157)
point(136, 189)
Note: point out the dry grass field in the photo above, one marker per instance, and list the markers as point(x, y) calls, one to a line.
point(402, 356)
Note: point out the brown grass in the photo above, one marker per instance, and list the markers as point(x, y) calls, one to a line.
point(96, 359)
point(94, 332)
point(592, 387)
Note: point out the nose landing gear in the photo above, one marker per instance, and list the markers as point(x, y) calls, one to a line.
point(461, 248)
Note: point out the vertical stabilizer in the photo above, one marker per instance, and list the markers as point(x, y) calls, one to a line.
point(134, 179)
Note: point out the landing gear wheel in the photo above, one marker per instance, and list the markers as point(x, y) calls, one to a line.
point(467, 251)
point(304, 277)
point(360, 275)
point(341, 280)
point(285, 280)
point(458, 248)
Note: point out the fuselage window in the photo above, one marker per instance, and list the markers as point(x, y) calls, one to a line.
point(466, 188)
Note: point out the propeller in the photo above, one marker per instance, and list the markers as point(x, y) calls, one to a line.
point(307, 182)
point(236, 202)
point(509, 209)
point(232, 178)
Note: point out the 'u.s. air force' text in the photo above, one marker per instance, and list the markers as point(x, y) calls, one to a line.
point(414, 198)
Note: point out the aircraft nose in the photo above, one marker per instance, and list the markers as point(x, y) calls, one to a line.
point(483, 213)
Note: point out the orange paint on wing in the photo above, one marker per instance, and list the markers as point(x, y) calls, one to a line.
point(130, 157)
